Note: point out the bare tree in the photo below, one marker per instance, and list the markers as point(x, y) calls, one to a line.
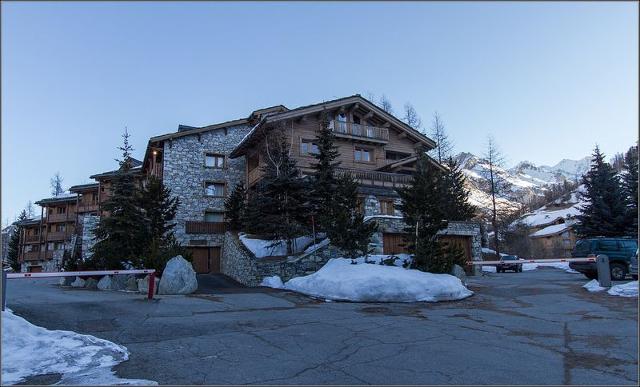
point(56, 184)
point(498, 185)
point(444, 147)
point(371, 96)
point(30, 210)
point(617, 162)
point(411, 116)
point(385, 104)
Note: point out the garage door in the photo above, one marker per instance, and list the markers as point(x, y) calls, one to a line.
point(463, 242)
point(394, 243)
point(205, 259)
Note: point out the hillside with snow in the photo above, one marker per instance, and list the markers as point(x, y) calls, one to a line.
point(526, 180)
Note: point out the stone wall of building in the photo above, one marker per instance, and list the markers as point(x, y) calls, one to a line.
point(184, 172)
point(471, 229)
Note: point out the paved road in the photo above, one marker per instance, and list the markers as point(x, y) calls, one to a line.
point(535, 327)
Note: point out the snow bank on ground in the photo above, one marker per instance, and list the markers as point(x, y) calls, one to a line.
point(556, 265)
point(267, 248)
point(489, 269)
point(272, 282)
point(377, 259)
point(630, 289)
point(82, 359)
point(593, 286)
point(341, 280)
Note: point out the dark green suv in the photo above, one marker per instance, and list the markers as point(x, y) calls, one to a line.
point(619, 251)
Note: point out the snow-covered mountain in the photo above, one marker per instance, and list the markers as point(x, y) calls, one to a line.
point(526, 180)
point(566, 207)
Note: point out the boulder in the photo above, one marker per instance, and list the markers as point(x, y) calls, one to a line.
point(78, 283)
point(143, 285)
point(459, 272)
point(91, 283)
point(132, 284)
point(66, 281)
point(178, 277)
point(105, 283)
point(119, 282)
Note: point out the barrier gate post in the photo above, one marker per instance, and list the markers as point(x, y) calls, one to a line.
point(152, 285)
point(604, 271)
point(4, 289)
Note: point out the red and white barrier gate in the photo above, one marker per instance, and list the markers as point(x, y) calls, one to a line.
point(6, 276)
point(532, 261)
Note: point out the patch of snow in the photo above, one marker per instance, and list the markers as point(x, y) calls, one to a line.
point(267, 248)
point(489, 269)
point(317, 246)
point(368, 217)
point(28, 350)
point(551, 230)
point(377, 259)
point(630, 289)
point(272, 282)
point(593, 286)
point(556, 265)
point(341, 280)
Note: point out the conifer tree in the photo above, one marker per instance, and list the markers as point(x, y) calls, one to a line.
point(424, 215)
point(280, 208)
point(456, 203)
point(122, 237)
point(13, 250)
point(347, 229)
point(606, 212)
point(630, 188)
point(234, 207)
point(325, 182)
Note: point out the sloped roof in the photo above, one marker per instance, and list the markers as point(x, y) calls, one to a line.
point(554, 229)
point(84, 187)
point(136, 166)
point(62, 198)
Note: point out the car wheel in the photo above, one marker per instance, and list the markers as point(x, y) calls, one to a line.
point(618, 272)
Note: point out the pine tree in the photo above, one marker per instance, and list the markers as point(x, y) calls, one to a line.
point(160, 210)
point(234, 207)
point(325, 183)
point(13, 250)
point(280, 208)
point(630, 189)
point(346, 228)
point(122, 237)
point(606, 212)
point(424, 216)
point(456, 203)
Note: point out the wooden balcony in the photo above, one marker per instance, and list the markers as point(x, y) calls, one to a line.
point(82, 208)
point(58, 235)
point(378, 179)
point(205, 227)
point(358, 131)
point(32, 239)
point(37, 255)
point(60, 217)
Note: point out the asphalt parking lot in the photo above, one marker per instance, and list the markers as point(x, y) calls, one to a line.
point(537, 327)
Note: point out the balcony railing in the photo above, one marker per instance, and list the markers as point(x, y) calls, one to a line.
point(60, 217)
point(378, 179)
point(58, 235)
point(32, 238)
point(205, 227)
point(87, 208)
point(360, 131)
point(37, 255)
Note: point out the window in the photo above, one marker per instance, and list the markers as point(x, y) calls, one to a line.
point(386, 207)
point(307, 147)
point(608, 245)
point(630, 245)
point(213, 216)
point(61, 210)
point(214, 189)
point(214, 161)
point(60, 228)
point(362, 154)
point(94, 197)
point(393, 155)
point(253, 162)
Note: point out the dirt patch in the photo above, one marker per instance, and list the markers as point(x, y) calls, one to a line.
point(41, 380)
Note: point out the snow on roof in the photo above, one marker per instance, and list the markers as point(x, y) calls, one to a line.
point(551, 230)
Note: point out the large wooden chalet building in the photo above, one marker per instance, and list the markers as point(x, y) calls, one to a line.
point(201, 165)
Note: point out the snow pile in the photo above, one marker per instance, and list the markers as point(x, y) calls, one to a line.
point(341, 280)
point(267, 248)
point(556, 265)
point(630, 289)
point(272, 282)
point(489, 269)
point(552, 230)
point(593, 286)
point(81, 359)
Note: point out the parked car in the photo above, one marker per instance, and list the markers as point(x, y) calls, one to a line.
point(509, 262)
point(619, 251)
point(633, 266)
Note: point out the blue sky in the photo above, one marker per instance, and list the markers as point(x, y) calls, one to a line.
point(547, 80)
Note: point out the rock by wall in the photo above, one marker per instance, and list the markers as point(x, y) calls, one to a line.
point(239, 263)
point(185, 174)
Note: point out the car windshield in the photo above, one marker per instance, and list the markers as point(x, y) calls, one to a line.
point(509, 258)
point(582, 247)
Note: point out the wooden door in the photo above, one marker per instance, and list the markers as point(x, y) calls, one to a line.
point(463, 242)
point(35, 269)
point(206, 259)
point(394, 243)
